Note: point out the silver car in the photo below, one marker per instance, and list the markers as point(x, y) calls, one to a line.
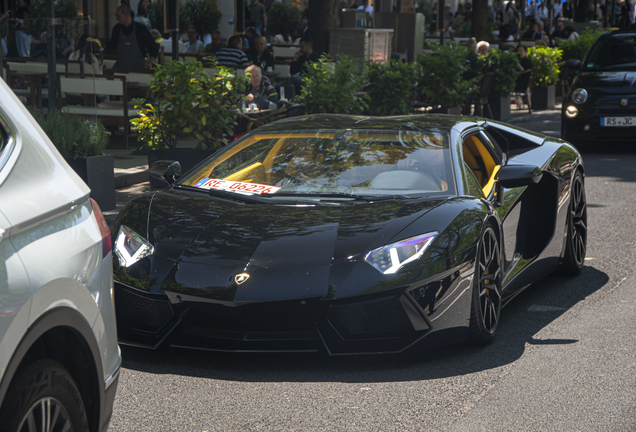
point(59, 358)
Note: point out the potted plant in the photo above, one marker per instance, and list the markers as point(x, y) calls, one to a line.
point(390, 87)
point(578, 48)
point(503, 64)
point(189, 105)
point(544, 76)
point(82, 144)
point(333, 88)
point(440, 79)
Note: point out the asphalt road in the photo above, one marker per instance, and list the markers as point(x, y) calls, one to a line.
point(564, 358)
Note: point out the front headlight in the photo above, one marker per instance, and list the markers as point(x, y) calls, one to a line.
point(130, 247)
point(579, 95)
point(390, 258)
point(571, 111)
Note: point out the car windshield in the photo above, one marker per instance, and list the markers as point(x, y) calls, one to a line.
point(616, 52)
point(336, 162)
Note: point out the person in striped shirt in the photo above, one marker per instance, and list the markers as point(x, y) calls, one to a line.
point(233, 55)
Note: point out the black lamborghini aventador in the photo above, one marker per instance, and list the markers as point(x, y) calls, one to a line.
point(350, 234)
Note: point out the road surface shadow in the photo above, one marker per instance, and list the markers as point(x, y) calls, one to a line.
point(518, 327)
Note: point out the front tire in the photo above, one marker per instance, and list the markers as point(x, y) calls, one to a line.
point(43, 397)
point(576, 241)
point(486, 300)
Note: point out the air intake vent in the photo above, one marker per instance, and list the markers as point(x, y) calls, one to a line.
point(142, 313)
point(376, 318)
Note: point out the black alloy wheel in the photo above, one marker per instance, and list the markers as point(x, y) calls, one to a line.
point(43, 397)
point(576, 242)
point(486, 302)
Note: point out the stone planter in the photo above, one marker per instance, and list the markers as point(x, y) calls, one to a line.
point(500, 107)
point(543, 98)
point(98, 172)
point(187, 158)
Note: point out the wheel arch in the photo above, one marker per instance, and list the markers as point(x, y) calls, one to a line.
point(64, 335)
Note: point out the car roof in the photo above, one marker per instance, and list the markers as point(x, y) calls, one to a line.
point(439, 122)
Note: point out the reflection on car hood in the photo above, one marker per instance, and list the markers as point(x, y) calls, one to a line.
point(590, 80)
point(292, 248)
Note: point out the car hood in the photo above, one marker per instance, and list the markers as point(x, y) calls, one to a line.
point(608, 81)
point(288, 251)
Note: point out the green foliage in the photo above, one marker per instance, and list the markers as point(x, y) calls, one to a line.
point(202, 14)
point(73, 136)
point(390, 87)
point(333, 89)
point(190, 104)
point(282, 13)
point(460, 27)
point(441, 72)
point(155, 15)
point(503, 64)
point(578, 48)
point(546, 71)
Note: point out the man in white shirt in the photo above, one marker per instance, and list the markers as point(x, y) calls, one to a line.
point(366, 8)
point(558, 9)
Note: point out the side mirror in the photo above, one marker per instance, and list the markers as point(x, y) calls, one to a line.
point(573, 64)
point(512, 176)
point(164, 172)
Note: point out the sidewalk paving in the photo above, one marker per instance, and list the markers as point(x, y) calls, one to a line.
point(131, 171)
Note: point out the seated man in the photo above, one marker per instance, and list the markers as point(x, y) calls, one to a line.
point(260, 91)
point(217, 44)
point(233, 55)
point(259, 55)
point(194, 45)
point(303, 55)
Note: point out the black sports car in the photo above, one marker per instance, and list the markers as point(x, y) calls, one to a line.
point(602, 103)
point(354, 234)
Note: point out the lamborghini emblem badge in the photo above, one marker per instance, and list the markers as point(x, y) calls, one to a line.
point(624, 102)
point(241, 278)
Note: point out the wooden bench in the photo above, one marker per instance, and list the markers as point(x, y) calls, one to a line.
point(110, 113)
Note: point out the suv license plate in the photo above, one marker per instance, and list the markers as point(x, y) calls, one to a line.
point(618, 121)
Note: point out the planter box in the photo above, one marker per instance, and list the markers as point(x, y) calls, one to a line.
point(98, 172)
point(500, 107)
point(543, 98)
point(187, 158)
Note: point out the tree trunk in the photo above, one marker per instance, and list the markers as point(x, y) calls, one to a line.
point(479, 20)
point(581, 10)
point(323, 16)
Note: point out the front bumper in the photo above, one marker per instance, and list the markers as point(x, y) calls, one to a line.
point(387, 322)
point(575, 128)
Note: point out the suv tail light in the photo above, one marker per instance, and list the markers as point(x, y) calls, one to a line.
point(107, 245)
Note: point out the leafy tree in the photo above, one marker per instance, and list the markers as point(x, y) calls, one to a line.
point(441, 72)
point(202, 14)
point(578, 48)
point(333, 88)
point(390, 87)
point(503, 64)
point(190, 104)
point(280, 13)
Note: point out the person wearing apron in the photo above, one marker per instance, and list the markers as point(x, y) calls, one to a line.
point(131, 40)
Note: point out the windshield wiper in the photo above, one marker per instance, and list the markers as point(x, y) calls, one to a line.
point(367, 198)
